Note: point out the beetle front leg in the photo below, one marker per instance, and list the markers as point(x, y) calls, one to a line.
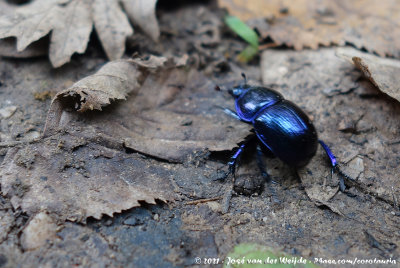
point(233, 162)
point(231, 113)
point(231, 171)
point(235, 158)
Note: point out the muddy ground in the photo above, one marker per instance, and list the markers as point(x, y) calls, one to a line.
point(350, 114)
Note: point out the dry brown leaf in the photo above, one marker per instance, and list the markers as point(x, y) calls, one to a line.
point(112, 82)
point(366, 24)
point(383, 73)
point(8, 46)
point(171, 122)
point(70, 30)
point(143, 13)
point(73, 179)
point(71, 22)
point(116, 27)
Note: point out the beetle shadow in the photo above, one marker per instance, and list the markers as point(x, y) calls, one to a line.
point(249, 180)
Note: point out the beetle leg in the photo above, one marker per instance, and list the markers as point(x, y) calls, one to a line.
point(235, 158)
point(261, 164)
point(329, 153)
point(231, 113)
point(244, 78)
point(334, 165)
point(231, 171)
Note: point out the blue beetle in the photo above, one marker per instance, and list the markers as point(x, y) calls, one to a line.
point(280, 125)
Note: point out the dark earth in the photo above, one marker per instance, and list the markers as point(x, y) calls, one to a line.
point(350, 114)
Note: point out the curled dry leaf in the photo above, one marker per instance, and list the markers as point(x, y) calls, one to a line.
point(71, 22)
point(366, 24)
point(112, 82)
point(383, 73)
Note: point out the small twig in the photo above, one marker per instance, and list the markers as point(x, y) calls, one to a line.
point(204, 200)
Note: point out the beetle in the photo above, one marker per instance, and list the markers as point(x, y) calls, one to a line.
point(280, 126)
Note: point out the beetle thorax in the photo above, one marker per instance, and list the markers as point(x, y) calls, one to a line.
point(253, 100)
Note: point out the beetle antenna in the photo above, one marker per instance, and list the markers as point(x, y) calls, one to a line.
point(220, 88)
point(244, 78)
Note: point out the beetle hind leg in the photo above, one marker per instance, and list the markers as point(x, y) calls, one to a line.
point(329, 153)
point(334, 165)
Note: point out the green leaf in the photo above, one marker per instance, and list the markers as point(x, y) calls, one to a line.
point(255, 256)
point(248, 53)
point(241, 29)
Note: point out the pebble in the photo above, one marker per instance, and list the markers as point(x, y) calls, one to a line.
point(7, 112)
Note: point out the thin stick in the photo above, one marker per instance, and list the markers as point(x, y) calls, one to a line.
point(204, 200)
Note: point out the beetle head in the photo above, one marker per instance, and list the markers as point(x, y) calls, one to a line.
point(238, 90)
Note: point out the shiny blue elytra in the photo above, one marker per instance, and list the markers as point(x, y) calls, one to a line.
point(279, 124)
